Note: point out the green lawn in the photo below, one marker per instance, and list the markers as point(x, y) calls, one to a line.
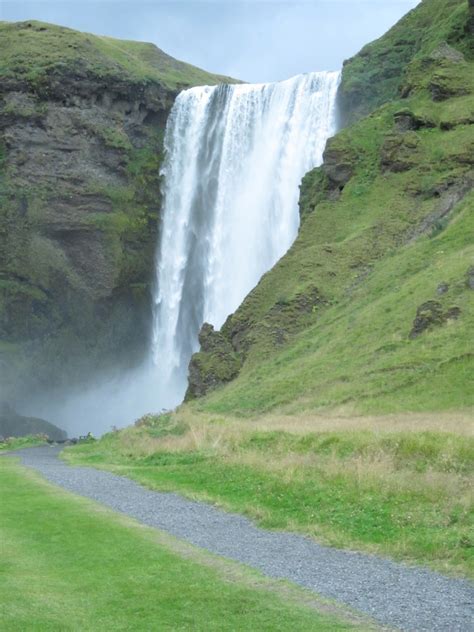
point(68, 564)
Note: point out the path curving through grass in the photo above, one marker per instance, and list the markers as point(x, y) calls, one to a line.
point(410, 599)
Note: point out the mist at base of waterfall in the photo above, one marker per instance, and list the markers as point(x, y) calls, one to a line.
point(114, 401)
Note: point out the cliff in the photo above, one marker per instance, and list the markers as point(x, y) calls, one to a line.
point(372, 306)
point(82, 119)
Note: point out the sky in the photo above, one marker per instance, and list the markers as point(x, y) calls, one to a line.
point(252, 40)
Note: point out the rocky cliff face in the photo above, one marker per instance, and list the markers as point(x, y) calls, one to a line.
point(216, 364)
point(81, 128)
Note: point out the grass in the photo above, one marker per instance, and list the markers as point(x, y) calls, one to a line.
point(16, 443)
point(385, 371)
point(376, 74)
point(31, 50)
point(69, 564)
point(400, 486)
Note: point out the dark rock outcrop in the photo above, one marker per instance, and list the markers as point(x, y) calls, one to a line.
point(338, 165)
point(399, 153)
point(442, 88)
point(470, 23)
point(442, 288)
point(222, 353)
point(215, 364)
point(448, 197)
point(432, 314)
point(406, 121)
point(470, 278)
point(446, 52)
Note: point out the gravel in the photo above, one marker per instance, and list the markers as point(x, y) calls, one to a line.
point(408, 598)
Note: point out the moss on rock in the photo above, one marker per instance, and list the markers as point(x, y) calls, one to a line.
point(216, 363)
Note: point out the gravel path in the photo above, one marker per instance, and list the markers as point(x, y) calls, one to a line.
point(411, 599)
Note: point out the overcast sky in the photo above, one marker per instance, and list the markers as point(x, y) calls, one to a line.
point(253, 40)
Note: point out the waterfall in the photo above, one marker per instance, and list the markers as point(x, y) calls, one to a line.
point(235, 156)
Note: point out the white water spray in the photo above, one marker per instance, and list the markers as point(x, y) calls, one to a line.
point(235, 156)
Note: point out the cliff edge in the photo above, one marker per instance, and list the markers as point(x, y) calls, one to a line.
point(82, 119)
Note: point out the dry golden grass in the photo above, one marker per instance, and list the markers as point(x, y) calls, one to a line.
point(461, 423)
point(378, 472)
point(223, 438)
point(210, 432)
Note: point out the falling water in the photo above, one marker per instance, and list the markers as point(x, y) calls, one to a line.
point(235, 156)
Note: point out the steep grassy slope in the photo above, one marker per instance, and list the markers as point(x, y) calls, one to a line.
point(82, 120)
point(375, 75)
point(372, 307)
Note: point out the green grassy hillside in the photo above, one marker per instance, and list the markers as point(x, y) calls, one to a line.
point(372, 309)
point(31, 50)
point(375, 75)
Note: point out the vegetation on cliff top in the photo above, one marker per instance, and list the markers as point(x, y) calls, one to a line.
point(31, 50)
